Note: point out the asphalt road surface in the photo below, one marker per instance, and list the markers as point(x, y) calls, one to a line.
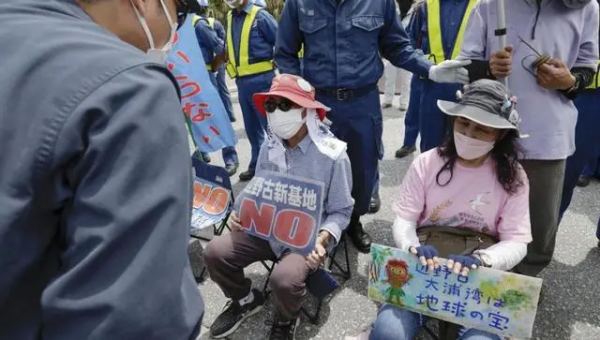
point(570, 309)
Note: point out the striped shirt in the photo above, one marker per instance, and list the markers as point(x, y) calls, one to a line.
point(306, 161)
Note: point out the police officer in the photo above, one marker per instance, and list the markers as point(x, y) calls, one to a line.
point(441, 40)
point(342, 45)
point(213, 50)
point(250, 34)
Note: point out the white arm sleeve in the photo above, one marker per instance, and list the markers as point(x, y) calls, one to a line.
point(503, 255)
point(405, 233)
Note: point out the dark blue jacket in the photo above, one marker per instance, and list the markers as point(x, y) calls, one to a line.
point(343, 44)
point(95, 184)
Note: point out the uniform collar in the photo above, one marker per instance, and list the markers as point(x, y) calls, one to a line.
point(248, 7)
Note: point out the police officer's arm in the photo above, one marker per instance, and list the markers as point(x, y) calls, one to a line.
point(289, 40)
point(125, 229)
point(396, 47)
point(208, 38)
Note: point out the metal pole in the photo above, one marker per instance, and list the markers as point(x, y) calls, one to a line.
point(501, 31)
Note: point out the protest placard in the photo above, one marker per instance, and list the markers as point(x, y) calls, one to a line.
point(210, 205)
point(490, 300)
point(206, 116)
point(282, 208)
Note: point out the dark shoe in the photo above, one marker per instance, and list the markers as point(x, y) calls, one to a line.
point(360, 239)
point(232, 119)
point(386, 106)
point(246, 175)
point(233, 315)
point(206, 158)
point(375, 204)
point(405, 151)
point(584, 181)
point(232, 168)
point(284, 330)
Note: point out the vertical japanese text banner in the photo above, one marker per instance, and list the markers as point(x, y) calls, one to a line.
point(490, 300)
point(283, 209)
point(210, 126)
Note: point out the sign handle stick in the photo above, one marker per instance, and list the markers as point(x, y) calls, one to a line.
point(501, 31)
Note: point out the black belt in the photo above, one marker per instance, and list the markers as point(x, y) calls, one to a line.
point(347, 94)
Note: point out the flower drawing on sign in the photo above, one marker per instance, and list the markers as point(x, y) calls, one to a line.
point(398, 276)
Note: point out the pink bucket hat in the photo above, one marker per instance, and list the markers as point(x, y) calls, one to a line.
point(295, 89)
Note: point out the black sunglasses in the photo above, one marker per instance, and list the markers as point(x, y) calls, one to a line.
point(283, 104)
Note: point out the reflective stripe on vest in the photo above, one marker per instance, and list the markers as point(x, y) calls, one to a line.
point(436, 46)
point(595, 79)
point(244, 68)
point(196, 18)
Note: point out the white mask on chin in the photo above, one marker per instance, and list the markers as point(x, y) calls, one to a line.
point(286, 124)
point(158, 55)
point(234, 3)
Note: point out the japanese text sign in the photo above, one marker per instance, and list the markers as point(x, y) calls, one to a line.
point(201, 103)
point(282, 209)
point(490, 300)
point(210, 205)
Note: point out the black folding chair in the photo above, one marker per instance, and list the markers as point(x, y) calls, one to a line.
point(219, 176)
point(341, 272)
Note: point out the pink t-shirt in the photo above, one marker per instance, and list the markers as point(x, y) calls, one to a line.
point(473, 198)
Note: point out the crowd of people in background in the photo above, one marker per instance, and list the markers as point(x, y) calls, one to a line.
point(95, 174)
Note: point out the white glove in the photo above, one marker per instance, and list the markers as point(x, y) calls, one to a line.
point(450, 71)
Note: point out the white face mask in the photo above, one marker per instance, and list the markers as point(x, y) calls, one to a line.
point(286, 124)
point(470, 148)
point(156, 54)
point(234, 3)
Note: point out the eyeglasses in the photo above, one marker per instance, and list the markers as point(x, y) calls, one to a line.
point(272, 104)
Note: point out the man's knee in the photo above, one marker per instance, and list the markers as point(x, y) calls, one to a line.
point(396, 323)
point(288, 279)
point(217, 251)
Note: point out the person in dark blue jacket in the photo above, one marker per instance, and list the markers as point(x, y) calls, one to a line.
point(95, 174)
point(428, 25)
point(343, 45)
point(212, 48)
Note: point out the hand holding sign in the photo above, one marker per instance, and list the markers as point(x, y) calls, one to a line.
point(282, 209)
point(318, 256)
point(234, 222)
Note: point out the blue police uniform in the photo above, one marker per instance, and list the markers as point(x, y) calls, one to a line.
point(432, 121)
point(260, 50)
point(342, 46)
point(587, 141)
point(211, 45)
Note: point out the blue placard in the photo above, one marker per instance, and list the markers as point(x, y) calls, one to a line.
point(211, 204)
point(283, 209)
point(210, 125)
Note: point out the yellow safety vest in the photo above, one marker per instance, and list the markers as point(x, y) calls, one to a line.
point(595, 79)
point(244, 68)
point(301, 53)
point(436, 47)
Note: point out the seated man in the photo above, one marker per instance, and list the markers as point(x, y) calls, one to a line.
point(298, 144)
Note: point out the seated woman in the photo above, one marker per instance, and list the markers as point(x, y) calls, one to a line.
point(472, 181)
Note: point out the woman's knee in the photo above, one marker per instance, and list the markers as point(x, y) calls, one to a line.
point(395, 323)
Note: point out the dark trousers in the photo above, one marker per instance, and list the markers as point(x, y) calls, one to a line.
point(587, 140)
point(432, 121)
point(255, 123)
point(227, 255)
point(411, 118)
point(359, 123)
point(545, 189)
